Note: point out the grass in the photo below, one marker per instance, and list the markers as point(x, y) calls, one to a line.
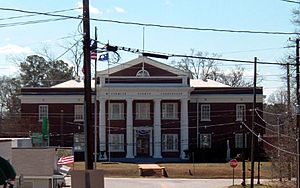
point(181, 170)
point(189, 170)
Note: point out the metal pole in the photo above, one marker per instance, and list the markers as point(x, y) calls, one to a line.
point(243, 157)
point(61, 128)
point(89, 137)
point(253, 123)
point(298, 117)
point(95, 110)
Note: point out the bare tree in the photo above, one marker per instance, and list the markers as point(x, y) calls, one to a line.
point(75, 53)
point(201, 68)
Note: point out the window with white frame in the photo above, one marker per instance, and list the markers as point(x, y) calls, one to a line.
point(240, 112)
point(239, 140)
point(170, 142)
point(116, 111)
point(205, 112)
point(78, 112)
point(142, 111)
point(169, 111)
point(78, 142)
point(205, 140)
point(116, 142)
point(43, 112)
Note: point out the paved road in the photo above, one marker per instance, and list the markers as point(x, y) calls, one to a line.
point(166, 183)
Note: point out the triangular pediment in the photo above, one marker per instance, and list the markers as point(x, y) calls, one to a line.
point(154, 68)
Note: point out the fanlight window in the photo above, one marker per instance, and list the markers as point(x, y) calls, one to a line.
point(142, 73)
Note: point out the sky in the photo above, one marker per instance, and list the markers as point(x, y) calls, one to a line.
point(255, 15)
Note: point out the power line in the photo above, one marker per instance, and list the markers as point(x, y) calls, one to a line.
point(31, 15)
point(30, 22)
point(268, 143)
point(289, 1)
point(158, 25)
point(196, 28)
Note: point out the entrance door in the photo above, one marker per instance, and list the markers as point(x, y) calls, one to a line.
point(142, 147)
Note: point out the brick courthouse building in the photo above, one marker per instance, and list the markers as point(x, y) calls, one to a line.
point(146, 109)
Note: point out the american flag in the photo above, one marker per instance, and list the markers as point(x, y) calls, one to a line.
point(66, 160)
point(93, 54)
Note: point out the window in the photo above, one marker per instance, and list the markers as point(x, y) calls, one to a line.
point(116, 142)
point(142, 111)
point(116, 111)
point(78, 142)
point(169, 142)
point(205, 140)
point(169, 111)
point(205, 112)
point(43, 112)
point(142, 73)
point(239, 140)
point(240, 112)
point(78, 113)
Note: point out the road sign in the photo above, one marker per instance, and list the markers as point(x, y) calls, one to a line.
point(233, 163)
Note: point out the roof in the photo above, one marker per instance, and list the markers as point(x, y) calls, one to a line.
point(73, 84)
point(206, 83)
point(147, 60)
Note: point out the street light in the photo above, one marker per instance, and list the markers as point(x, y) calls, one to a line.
point(258, 167)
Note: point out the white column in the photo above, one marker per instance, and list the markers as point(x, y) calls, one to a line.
point(129, 129)
point(184, 131)
point(157, 129)
point(102, 130)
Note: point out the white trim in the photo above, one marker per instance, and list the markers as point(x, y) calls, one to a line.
point(120, 144)
point(205, 113)
point(184, 129)
point(139, 107)
point(78, 112)
point(52, 99)
point(135, 139)
point(146, 60)
point(225, 98)
point(175, 145)
point(120, 114)
point(43, 110)
point(238, 116)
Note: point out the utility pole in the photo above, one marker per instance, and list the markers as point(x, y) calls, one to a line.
point(289, 115)
point(298, 117)
point(253, 124)
point(88, 127)
point(95, 108)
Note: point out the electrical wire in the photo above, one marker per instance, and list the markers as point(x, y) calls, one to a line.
point(67, 50)
point(290, 1)
point(31, 15)
point(158, 25)
point(284, 135)
point(30, 22)
point(268, 143)
point(279, 125)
